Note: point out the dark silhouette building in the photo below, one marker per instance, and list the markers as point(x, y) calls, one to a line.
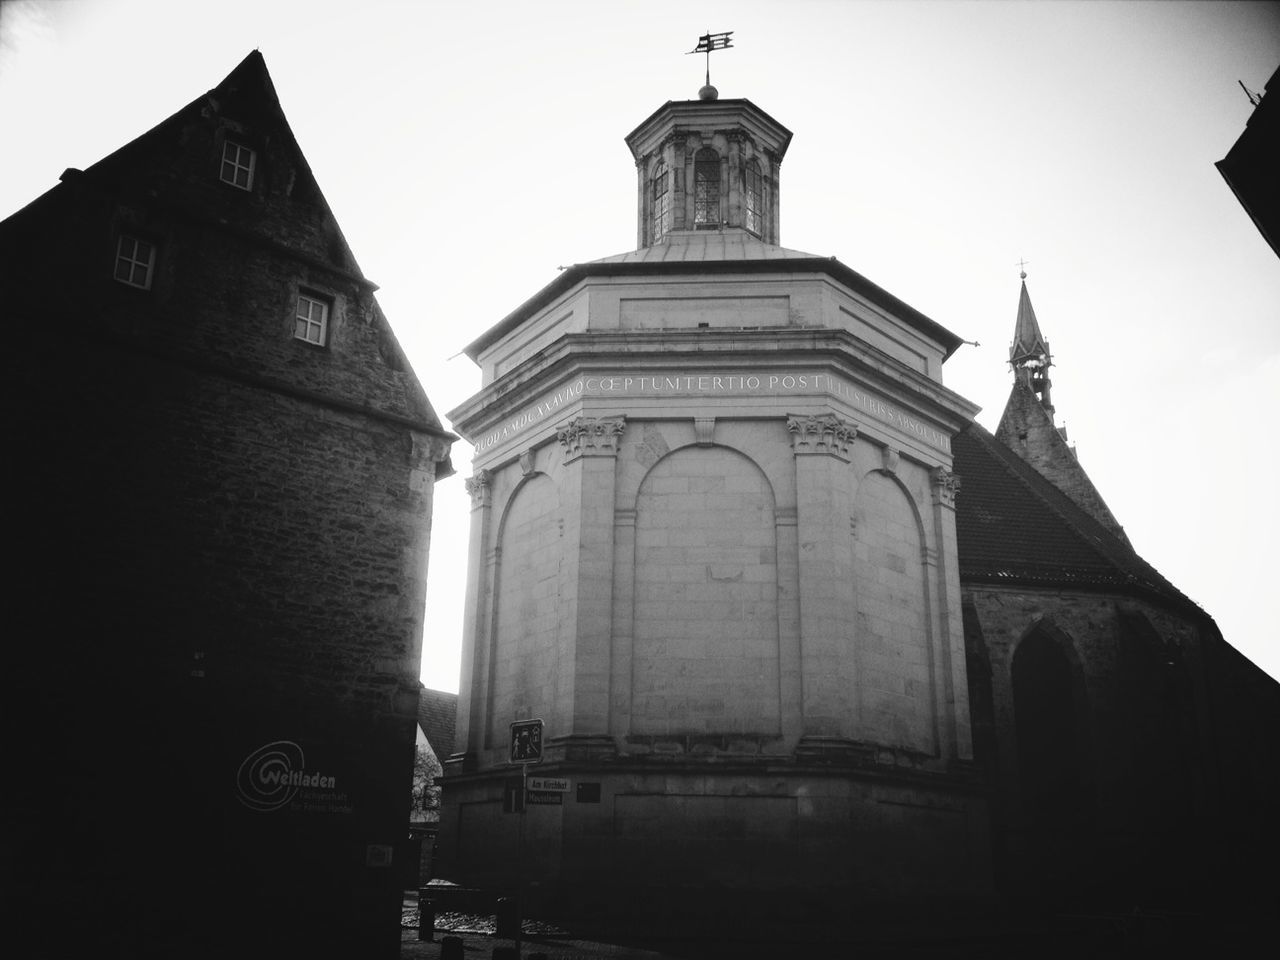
point(222, 468)
point(1250, 167)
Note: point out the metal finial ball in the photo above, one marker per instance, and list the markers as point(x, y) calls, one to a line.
point(1022, 274)
point(708, 93)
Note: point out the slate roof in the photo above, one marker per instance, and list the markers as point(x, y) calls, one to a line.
point(438, 716)
point(1028, 342)
point(729, 252)
point(1015, 527)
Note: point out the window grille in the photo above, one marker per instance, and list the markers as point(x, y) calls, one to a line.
point(706, 188)
point(755, 199)
point(660, 204)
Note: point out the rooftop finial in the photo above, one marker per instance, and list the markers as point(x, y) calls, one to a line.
point(1022, 268)
point(706, 43)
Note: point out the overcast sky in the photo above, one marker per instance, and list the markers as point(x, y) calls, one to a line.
point(468, 149)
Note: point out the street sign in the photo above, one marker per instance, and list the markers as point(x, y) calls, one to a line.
point(539, 798)
point(526, 741)
point(549, 784)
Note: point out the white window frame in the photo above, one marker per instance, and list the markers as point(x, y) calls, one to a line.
point(306, 326)
point(138, 270)
point(237, 159)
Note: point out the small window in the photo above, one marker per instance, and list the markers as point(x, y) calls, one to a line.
point(311, 320)
point(135, 262)
point(706, 188)
point(237, 165)
point(660, 203)
point(755, 199)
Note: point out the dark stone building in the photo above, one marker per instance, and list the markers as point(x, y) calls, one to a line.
point(222, 468)
point(1130, 751)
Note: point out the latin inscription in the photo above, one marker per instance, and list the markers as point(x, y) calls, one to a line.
point(770, 384)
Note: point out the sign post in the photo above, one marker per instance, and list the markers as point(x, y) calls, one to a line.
point(526, 748)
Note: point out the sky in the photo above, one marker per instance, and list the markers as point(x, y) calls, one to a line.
point(470, 149)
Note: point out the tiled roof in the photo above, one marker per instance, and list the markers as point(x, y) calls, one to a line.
point(438, 715)
point(699, 246)
point(1015, 527)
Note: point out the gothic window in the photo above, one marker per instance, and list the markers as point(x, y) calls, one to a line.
point(660, 203)
point(706, 189)
point(755, 199)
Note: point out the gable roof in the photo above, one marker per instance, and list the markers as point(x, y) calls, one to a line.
point(169, 176)
point(438, 716)
point(1013, 526)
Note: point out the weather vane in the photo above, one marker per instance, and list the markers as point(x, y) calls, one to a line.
point(712, 41)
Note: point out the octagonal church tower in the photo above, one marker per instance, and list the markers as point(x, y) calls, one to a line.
point(713, 549)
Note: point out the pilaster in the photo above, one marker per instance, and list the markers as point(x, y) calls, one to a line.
point(472, 708)
point(822, 448)
point(590, 449)
point(956, 739)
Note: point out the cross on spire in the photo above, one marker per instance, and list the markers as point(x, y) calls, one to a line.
point(1022, 268)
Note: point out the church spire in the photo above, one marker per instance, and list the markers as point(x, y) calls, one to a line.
point(1029, 353)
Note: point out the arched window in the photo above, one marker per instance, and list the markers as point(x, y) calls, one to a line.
point(659, 204)
point(755, 199)
point(706, 189)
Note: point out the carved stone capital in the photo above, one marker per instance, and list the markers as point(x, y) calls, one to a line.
point(480, 487)
point(824, 434)
point(591, 437)
point(945, 486)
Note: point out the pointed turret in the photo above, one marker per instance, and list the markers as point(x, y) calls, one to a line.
point(1027, 426)
point(1029, 353)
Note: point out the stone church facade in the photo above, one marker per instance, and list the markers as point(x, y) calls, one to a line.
point(794, 623)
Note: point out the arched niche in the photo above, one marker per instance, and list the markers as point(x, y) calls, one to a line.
point(891, 630)
point(526, 607)
point(705, 654)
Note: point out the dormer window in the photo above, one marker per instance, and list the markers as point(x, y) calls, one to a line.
point(659, 204)
point(135, 262)
point(755, 199)
point(237, 165)
point(706, 189)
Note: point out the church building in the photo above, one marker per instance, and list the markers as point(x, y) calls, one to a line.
point(794, 624)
